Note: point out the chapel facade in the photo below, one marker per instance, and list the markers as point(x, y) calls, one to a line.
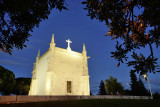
point(60, 72)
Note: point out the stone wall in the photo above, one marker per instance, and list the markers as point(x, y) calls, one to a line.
point(19, 99)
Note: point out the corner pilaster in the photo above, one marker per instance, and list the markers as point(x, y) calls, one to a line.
point(85, 63)
point(50, 70)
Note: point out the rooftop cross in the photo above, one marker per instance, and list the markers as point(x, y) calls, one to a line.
point(68, 44)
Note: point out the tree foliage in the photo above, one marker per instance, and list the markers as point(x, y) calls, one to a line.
point(22, 86)
point(102, 90)
point(136, 22)
point(156, 96)
point(134, 83)
point(142, 65)
point(113, 87)
point(10, 85)
point(7, 81)
point(19, 17)
point(137, 86)
point(127, 92)
point(142, 89)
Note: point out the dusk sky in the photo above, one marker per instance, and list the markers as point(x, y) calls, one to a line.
point(74, 24)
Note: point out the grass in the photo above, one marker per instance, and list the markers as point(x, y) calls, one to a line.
point(90, 103)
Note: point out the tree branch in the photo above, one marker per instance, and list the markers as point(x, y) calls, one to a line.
point(151, 49)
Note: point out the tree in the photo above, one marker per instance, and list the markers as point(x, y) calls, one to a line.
point(91, 93)
point(127, 92)
point(142, 89)
point(102, 90)
point(113, 87)
point(7, 81)
point(19, 17)
point(10, 85)
point(137, 86)
point(136, 29)
point(156, 96)
point(22, 86)
point(134, 83)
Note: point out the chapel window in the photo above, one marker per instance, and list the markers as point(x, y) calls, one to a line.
point(68, 86)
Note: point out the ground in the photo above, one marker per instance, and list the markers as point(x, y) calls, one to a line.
point(90, 103)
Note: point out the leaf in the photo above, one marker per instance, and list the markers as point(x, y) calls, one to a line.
point(84, 2)
point(114, 37)
point(118, 64)
point(109, 32)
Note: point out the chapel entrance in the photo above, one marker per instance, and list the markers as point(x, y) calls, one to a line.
point(69, 84)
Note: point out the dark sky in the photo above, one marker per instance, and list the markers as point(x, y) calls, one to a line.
point(79, 28)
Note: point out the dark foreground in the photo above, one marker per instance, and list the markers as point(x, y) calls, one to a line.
point(90, 103)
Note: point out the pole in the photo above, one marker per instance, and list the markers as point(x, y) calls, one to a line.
point(149, 86)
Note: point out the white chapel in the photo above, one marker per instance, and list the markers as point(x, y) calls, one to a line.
point(60, 72)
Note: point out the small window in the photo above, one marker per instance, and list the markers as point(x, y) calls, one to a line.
point(68, 86)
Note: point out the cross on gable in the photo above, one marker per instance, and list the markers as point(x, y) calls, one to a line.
point(68, 41)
